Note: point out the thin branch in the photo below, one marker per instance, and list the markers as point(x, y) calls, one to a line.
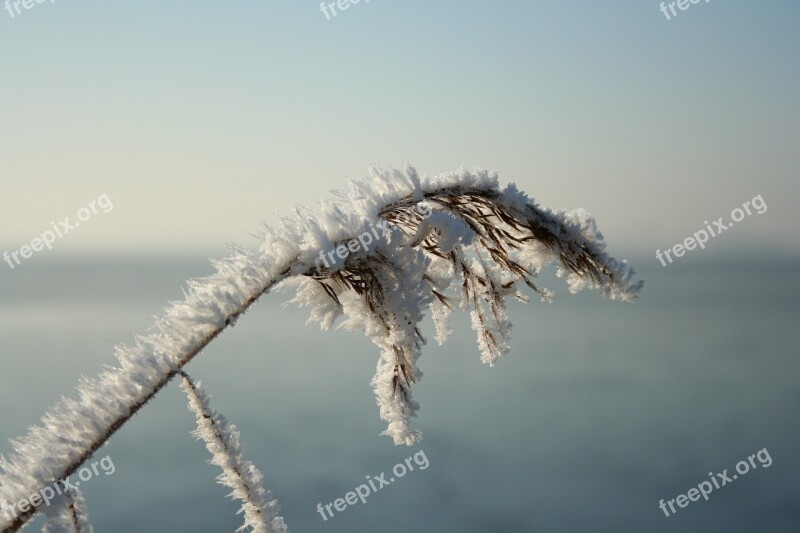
point(67, 514)
point(390, 279)
point(242, 476)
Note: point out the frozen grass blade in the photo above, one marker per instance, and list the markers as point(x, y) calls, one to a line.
point(67, 514)
point(242, 476)
point(456, 240)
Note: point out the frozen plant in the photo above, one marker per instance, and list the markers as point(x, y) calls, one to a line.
point(457, 240)
point(242, 476)
point(67, 514)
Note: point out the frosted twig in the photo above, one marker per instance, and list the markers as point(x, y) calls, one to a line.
point(456, 230)
point(242, 476)
point(67, 514)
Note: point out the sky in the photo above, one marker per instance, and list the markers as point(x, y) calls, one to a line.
point(200, 120)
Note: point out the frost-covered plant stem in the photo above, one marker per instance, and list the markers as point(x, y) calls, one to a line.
point(480, 240)
point(240, 475)
point(91, 447)
point(67, 514)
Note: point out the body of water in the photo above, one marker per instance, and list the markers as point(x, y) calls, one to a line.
point(601, 410)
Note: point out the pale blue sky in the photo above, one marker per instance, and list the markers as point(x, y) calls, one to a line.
point(199, 119)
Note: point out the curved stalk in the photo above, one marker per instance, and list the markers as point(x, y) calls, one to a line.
point(501, 226)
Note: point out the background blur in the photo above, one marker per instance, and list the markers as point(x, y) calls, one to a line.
point(201, 120)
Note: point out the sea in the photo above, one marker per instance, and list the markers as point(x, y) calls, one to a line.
point(600, 411)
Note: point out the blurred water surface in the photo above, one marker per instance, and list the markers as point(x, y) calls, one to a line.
point(601, 410)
